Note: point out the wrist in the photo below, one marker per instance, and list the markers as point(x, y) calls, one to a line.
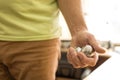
point(77, 29)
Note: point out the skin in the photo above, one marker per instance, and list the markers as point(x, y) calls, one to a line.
point(72, 12)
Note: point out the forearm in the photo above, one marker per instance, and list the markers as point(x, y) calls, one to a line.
point(72, 12)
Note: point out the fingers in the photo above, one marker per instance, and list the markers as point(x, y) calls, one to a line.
point(73, 58)
point(92, 41)
point(91, 61)
point(80, 60)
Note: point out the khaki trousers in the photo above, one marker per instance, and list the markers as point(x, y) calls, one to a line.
point(29, 60)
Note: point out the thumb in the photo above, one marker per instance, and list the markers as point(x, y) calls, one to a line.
point(96, 46)
point(99, 49)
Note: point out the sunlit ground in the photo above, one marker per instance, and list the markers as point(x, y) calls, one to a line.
point(109, 70)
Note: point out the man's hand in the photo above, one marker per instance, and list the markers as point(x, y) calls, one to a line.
point(79, 59)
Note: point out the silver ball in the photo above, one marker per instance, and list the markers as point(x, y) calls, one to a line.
point(78, 49)
point(87, 50)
